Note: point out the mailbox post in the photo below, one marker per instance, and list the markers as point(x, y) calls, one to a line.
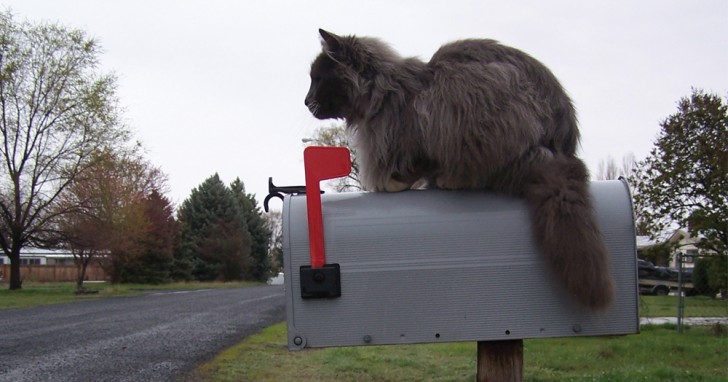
point(440, 266)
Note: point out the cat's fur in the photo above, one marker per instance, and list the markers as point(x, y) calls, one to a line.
point(478, 115)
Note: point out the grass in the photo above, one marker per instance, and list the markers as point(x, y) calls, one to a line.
point(657, 354)
point(34, 294)
point(697, 306)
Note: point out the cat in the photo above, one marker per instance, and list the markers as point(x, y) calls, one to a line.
point(478, 115)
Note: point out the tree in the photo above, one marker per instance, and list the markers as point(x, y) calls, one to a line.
point(154, 263)
point(85, 237)
point(109, 210)
point(700, 281)
point(56, 109)
point(214, 235)
point(274, 220)
point(718, 273)
point(684, 180)
point(259, 233)
point(659, 254)
point(609, 169)
point(336, 135)
point(710, 275)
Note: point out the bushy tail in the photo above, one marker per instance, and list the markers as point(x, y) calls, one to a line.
point(557, 193)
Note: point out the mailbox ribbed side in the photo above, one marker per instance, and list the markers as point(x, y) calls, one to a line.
point(438, 266)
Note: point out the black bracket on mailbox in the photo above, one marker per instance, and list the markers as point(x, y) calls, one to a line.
point(278, 191)
point(324, 282)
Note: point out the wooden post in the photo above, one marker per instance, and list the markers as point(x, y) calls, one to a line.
point(500, 361)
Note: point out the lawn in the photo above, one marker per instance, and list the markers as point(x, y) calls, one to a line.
point(657, 354)
point(34, 294)
point(697, 306)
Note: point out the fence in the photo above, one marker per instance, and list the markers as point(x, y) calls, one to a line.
point(699, 300)
point(53, 273)
point(687, 295)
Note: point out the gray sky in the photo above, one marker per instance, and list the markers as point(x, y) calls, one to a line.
point(218, 86)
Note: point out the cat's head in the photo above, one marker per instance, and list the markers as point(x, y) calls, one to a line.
point(341, 76)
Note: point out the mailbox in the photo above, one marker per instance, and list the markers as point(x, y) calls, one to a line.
point(443, 266)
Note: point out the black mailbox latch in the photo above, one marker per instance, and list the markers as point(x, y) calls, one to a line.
point(324, 282)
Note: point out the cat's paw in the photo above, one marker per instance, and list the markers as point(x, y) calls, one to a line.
point(444, 184)
point(395, 186)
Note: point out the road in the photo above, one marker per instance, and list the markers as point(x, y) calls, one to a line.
point(156, 337)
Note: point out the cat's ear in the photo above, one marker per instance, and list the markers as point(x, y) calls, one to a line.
point(330, 42)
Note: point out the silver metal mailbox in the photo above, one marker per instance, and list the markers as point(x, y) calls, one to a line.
point(443, 266)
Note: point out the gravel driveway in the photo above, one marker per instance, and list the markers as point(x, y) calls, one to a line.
point(155, 337)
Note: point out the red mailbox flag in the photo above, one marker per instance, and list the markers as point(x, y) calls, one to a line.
point(321, 163)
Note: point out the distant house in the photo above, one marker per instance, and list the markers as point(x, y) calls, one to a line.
point(39, 256)
point(680, 243)
point(50, 265)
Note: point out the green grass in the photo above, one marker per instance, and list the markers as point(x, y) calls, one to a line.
point(34, 294)
point(658, 354)
point(697, 306)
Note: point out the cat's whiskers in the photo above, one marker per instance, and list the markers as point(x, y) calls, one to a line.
point(314, 107)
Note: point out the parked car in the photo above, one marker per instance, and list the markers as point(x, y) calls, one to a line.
point(659, 281)
point(653, 280)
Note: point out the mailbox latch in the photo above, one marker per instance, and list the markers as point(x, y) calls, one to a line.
point(323, 282)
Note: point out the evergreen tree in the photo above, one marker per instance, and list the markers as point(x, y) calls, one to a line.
point(181, 269)
point(214, 233)
point(259, 232)
point(154, 263)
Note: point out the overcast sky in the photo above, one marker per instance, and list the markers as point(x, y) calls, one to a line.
point(218, 86)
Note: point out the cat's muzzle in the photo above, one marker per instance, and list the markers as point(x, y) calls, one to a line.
point(313, 107)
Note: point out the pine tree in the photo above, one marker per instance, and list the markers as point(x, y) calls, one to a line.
point(214, 233)
point(259, 232)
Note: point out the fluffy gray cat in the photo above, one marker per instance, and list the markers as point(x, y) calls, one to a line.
point(478, 115)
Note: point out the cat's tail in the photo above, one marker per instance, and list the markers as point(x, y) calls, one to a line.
point(565, 229)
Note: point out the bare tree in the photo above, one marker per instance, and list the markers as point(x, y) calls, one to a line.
point(609, 169)
point(55, 110)
point(274, 221)
point(336, 135)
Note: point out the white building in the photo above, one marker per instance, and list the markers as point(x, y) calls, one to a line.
point(39, 256)
point(682, 243)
